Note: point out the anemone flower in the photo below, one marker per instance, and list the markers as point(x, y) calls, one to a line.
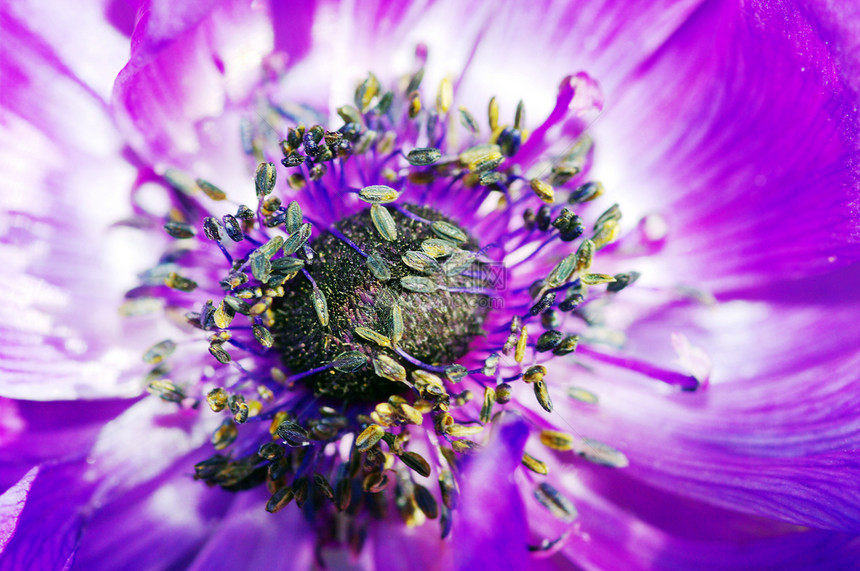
point(370, 263)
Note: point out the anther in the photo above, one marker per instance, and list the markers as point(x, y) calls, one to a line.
point(179, 230)
point(211, 190)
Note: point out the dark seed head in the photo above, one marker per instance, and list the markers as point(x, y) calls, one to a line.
point(437, 325)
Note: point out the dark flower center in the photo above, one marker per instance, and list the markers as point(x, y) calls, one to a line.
point(420, 297)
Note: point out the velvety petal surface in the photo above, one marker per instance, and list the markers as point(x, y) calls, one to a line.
point(115, 486)
point(773, 434)
point(12, 504)
point(740, 132)
point(65, 268)
point(82, 38)
point(187, 67)
point(490, 525)
point(160, 524)
point(627, 524)
point(249, 538)
point(54, 502)
point(509, 49)
point(35, 432)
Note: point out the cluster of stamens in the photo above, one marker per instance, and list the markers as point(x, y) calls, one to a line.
point(363, 319)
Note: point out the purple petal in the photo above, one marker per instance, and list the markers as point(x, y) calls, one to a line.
point(61, 337)
point(257, 539)
point(741, 133)
point(772, 435)
point(35, 432)
point(626, 524)
point(185, 69)
point(158, 525)
point(92, 50)
point(12, 504)
point(490, 524)
point(48, 527)
point(170, 434)
point(511, 50)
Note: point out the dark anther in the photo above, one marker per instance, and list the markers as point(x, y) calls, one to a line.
point(432, 122)
point(549, 340)
point(232, 227)
point(294, 137)
point(318, 171)
point(536, 286)
point(211, 229)
point(586, 192)
point(510, 140)
point(544, 215)
point(351, 131)
point(312, 139)
point(384, 103)
point(545, 303)
point(293, 160)
point(503, 393)
point(271, 451)
point(622, 281)
point(573, 229)
point(550, 319)
point(207, 315)
point(207, 469)
point(265, 178)
point(244, 213)
point(179, 229)
point(571, 300)
point(563, 219)
point(529, 219)
point(293, 434)
point(332, 138)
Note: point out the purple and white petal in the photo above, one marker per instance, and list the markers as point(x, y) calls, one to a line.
point(740, 133)
point(65, 268)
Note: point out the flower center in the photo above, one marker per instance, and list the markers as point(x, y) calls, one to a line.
point(348, 372)
point(419, 297)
